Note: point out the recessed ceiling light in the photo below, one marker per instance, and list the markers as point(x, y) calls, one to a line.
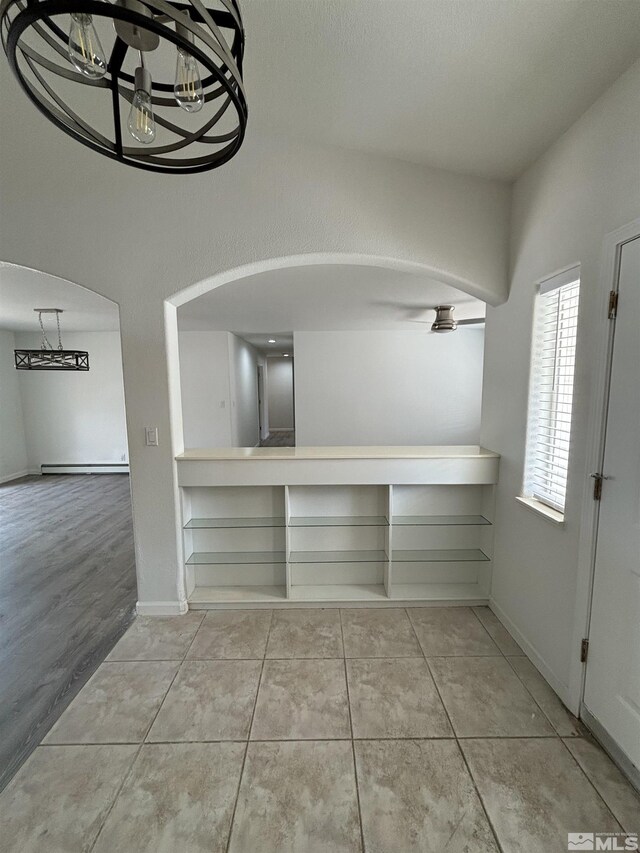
point(285, 354)
point(272, 340)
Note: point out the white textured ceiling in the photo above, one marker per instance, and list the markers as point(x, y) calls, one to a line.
point(22, 290)
point(475, 86)
point(322, 298)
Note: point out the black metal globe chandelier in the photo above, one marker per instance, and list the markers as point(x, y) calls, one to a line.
point(167, 93)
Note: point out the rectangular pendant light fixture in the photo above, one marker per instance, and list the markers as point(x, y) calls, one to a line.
point(48, 358)
point(53, 359)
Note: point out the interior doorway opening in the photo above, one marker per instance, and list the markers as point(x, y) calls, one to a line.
point(67, 572)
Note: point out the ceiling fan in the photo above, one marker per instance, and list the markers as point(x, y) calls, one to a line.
point(445, 322)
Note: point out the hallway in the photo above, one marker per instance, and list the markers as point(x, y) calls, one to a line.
point(67, 592)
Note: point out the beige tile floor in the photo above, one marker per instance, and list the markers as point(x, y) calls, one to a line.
point(315, 731)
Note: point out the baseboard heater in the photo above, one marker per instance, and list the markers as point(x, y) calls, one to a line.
point(87, 468)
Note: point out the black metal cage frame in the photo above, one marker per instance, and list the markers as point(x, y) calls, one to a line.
point(206, 43)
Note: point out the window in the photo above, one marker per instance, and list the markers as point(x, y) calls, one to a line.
point(551, 390)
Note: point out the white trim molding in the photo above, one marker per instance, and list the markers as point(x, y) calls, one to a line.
point(9, 477)
point(532, 653)
point(161, 608)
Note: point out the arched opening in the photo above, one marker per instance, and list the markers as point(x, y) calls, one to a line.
point(332, 305)
point(368, 371)
point(68, 563)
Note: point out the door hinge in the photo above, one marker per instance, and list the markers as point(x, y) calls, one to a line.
point(613, 305)
point(597, 486)
point(584, 650)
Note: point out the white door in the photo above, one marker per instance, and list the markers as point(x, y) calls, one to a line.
point(612, 692)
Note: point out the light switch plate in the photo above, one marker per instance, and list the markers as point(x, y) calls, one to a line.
point(151, 436)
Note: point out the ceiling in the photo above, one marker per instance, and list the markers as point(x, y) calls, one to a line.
point(474, 86)
point(323, 298)
point(22, 290)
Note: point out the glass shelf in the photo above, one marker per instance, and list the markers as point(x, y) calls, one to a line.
point(453, 555)
point(200, 523)
point(339, 521)
point(203, 558)
point(337, 557)
point(435, 520)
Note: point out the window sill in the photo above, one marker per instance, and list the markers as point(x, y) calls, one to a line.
point(542, 510)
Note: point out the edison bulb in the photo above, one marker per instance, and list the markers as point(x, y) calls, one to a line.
point(141, 123)
point(85, 50)
point(188, 86)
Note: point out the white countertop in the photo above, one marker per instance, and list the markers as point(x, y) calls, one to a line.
point(472, 451)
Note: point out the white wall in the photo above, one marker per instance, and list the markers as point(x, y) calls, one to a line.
point(398, 388)
point(280, 392)
point(243, 363)
point(13, 449)
point(586, 185)
point(219, 384)
point(206, 393)
point(76, 417)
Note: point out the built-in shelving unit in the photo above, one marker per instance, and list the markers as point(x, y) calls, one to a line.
point(267, 536)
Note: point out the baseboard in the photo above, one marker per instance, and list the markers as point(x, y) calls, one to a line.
point(161, 608)
point(16, 476)
point(86, 468)
point(609, 745)
point(531, 652)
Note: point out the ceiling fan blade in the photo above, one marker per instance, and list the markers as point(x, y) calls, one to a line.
point(473, 321)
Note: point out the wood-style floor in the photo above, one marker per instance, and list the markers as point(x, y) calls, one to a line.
point(285, 438)
point(67, 593)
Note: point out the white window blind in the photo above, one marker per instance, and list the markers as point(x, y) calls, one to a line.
point(551, 390)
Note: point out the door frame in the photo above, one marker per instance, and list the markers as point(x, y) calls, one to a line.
point(603, 337)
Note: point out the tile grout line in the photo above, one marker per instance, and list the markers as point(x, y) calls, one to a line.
point(592, 783)
point(472, 609)
point(142, 743)
point(457, 741)
point(353, 747)
point(139, 749)
point(508, 658)
point(544, 714)
point(303, 740)
point(117, 795)
point(248, 738)
point(177, 672)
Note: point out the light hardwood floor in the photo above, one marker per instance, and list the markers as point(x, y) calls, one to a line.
point(67, 593)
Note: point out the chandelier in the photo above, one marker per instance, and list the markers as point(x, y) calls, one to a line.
point(156, 85)
point(48, 358)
